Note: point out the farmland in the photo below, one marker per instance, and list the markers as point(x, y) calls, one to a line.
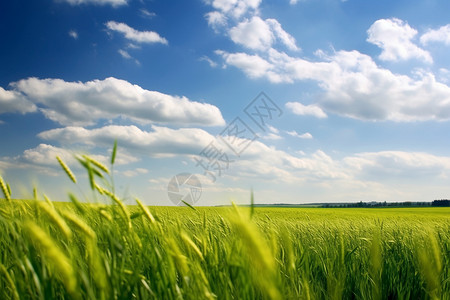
point(104, 249)
point(95, 251)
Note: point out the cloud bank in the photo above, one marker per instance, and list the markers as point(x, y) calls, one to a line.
point(83, 104)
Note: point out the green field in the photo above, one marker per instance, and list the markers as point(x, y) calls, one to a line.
point(108, 251)
point(81, 251)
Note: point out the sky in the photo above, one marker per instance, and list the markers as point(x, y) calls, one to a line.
point(301, 101)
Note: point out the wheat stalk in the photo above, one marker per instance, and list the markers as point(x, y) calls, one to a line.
point(5, 189)
point(67, 170)
point(56, 258)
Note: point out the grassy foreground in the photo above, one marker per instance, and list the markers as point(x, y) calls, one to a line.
point(67, 251)
point(98, 251)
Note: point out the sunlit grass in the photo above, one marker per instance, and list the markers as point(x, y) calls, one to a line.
point(75, 250)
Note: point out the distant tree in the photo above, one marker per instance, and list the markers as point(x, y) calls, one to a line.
point(441, 203)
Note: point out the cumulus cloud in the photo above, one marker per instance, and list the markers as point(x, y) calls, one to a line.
point(305, 135)
point(46, 155)
point(254, 34)
point(252, 65)
point(216, 19)
point(353, 175)
point(354, 85)
point(441, 35)
point(235, 8)
point(113, 3)
point(306, 110)
point(135, 35)
point(15, 102)
point(267, 163)
point(398, 164)
point(42, 159)
point(243, 24)
point(259, 34)
point(161, 141)
point(257, 160)
point(356, 171)
point(77, 103)
point(363, 90)
point(395, 37)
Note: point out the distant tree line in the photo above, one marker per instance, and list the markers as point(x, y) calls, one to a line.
point(441, 203)
point(436, 203)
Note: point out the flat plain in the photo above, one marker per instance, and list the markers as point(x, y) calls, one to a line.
point(116, 251)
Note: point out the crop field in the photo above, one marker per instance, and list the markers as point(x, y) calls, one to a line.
point(74, 250)
point(68, 251)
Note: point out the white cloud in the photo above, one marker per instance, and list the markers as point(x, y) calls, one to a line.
point(398, 164)
point(254, 34)
point(294, 133)
point(353, 85)
point(272, 136)
point(437, 35)
point(161, 141)
point(77, 103)
point(73, 34)
point(46, 155)
point(127, 55)
point(216, 19)
point(133, 46)
point(395, 37)
point(283, 36)
point(257, 34)
point(124, 54)
point(267, 163)
point(147, 14)
point(235, 8)
point(42, 159)
point(293, 2)
point(351, 178)
point(360, 89)
point(135, 35)
point(253, 65)
point(15, 102)
point(113, 3)
point(306, 110)
point(135, 172)
point(211, 63)
point(357, 173)
point(273, 129)
point(444, 75)
point(256, 67)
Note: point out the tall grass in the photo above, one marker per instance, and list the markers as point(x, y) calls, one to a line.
point(76, 250)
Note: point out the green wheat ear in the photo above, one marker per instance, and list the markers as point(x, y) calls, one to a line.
point(67, 170)
point(96, 163)
point(5, 189)
point(114, 152)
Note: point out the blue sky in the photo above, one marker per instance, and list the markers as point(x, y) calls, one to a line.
point(363, 89)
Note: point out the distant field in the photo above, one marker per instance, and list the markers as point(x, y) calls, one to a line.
point(79, 251)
